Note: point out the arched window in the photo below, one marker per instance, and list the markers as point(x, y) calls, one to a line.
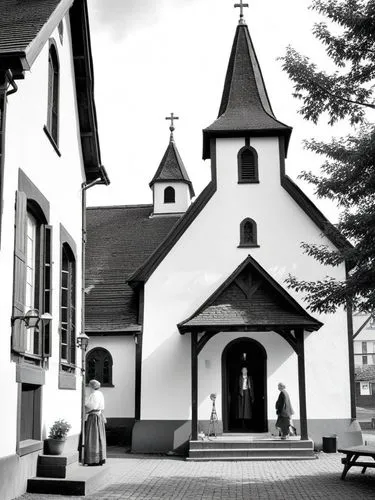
point(53, 94)
point(247, 165)
point(99, 366)
point(248, 233)
point(68, 306)
point(169, 195)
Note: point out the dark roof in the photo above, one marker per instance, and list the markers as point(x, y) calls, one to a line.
point(171, 168)
point(365, 374)
point(250, 298)
point(245, 107)
point(25, 26)
point(21, 22)
point(119, 239)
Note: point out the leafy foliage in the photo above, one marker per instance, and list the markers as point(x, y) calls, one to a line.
point(348, 172)
point(59, 429)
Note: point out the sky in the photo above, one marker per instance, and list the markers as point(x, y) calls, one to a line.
point(154, 57)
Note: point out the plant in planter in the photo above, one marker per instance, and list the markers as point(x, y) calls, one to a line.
point(57, 436)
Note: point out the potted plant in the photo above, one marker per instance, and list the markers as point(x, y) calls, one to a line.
point(57, 436)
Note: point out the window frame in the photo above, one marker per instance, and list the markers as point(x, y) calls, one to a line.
point(168, 191)
point(243, 242)
point(102, 352)
point(241, 180)
point(52, 127)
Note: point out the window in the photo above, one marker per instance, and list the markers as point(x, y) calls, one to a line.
point(248, 233)
point(169, 195)
point(53, 94)
point(68, 308)
point(247, 165)
point(99, 366)
point(32, 277)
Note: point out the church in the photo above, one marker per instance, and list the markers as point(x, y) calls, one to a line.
point(181, 295)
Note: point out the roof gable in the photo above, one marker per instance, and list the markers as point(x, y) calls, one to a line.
point(245, 106)
point(172, 168)
point(250, 298)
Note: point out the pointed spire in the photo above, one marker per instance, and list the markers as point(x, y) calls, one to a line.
point(171, 167)
point(245, 108)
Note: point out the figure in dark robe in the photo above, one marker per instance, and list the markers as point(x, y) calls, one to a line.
point(245, 399)
point(284, 411)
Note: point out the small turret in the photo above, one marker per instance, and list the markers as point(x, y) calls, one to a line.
point(171, 186)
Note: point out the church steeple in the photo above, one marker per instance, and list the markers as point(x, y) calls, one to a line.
point(245, 108)
point(171, 186)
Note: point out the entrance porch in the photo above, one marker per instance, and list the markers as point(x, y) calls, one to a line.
point(250, 300)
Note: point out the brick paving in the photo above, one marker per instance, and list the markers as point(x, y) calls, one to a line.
point(147, 477)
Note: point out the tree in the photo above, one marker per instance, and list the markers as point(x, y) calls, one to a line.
point(348, 172)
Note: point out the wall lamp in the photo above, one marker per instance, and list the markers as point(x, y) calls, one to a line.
point(32, 318)
point(83, 341)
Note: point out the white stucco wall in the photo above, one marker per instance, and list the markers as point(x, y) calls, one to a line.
point(119, 400)
point(59, 180)
point(205, 255)
point(182, 198)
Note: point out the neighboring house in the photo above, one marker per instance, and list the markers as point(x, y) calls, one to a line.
point(365, 387)
point(180, 297)
point(364, 340)
point(49, 150)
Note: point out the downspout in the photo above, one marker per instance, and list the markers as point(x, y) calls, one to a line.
point(6, 79)
point(84, 187)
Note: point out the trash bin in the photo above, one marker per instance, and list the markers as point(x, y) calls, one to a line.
point(330, 444)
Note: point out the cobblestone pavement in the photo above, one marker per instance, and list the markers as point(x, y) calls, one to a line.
point(144, 478)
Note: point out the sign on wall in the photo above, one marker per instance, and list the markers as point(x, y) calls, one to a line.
point(365, 388)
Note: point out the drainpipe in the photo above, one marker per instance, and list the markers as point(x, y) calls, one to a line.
point(6, 79)
point(84, 187)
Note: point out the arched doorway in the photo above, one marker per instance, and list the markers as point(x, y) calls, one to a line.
point(251, 354)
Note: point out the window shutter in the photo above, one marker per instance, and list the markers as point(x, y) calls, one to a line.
point(19, 276)
point(46, 244)
point(248, 167)
point(50, 92)
point(72, 312)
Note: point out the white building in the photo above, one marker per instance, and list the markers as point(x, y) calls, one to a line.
point(49, 148)
point(177, 304)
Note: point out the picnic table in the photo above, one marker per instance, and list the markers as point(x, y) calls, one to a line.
point(352, 455)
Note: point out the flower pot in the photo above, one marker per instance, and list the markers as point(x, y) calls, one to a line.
point(55, 446)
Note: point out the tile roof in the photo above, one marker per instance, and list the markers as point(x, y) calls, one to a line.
point(172, 168)
point(250, 298)
point(119, 239)
point(245, 106)
point(21, 21)
point(365, 374)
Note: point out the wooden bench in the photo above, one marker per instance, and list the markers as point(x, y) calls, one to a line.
point(353, 453)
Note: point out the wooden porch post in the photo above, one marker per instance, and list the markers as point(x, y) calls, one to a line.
point(194, 386)
point(302, 381)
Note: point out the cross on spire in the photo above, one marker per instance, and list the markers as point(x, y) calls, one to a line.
point(172, 118)
point(241, 5)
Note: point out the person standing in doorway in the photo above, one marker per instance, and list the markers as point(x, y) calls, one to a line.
point(95, 440)
point(245, 396)
point(284, 411)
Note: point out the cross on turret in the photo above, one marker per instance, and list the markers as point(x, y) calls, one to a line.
point(241, 5)
point(172, 118)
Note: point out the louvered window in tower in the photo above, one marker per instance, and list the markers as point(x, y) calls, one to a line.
point(169, 195)
point(247, 165)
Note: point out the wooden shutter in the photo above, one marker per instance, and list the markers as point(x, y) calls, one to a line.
point(248, 170)
point(19, 277)
point(46, 260)
point(50, 91)
point(72, 310)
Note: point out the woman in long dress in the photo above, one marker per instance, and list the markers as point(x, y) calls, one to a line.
point(95, 440)
point(245, 397)
point(284, 411)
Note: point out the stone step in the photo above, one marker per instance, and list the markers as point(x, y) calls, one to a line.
point(79, 481)
point(251, 444)
point(250, 459)
point(55, 465)
point(251, 452)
